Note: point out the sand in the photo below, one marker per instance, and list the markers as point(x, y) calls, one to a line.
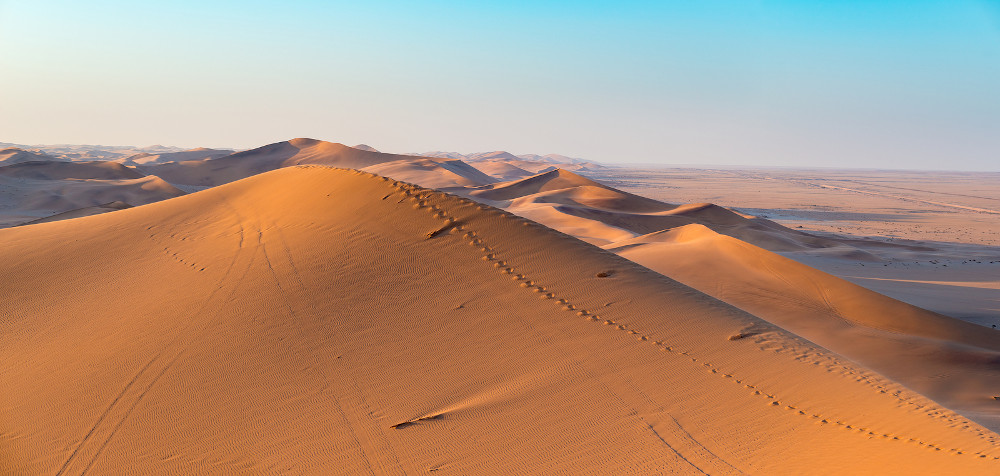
point(735, 257)
point(147, 158)
point(321, 320)
point(14, 155)
point(301, 151)
point(318, 320)
point(36, 190)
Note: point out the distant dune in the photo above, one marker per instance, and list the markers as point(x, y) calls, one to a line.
point(315, 320)
point(563, 196)
point(56, 170)
point(38, 189)
point(14, 155)
point(217, 171)
point(433, 173)
point(201, 153)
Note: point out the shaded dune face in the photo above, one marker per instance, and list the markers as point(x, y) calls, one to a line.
point(57, 170)
point(320, 320)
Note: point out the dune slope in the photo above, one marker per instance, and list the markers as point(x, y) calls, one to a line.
point(952, 361)
point(318, 320)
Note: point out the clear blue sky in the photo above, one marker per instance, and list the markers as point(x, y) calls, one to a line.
point(895, 84)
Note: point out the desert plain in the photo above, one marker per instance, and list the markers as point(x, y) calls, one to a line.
point(309, 307)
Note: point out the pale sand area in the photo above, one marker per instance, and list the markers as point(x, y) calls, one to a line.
point(328, 321)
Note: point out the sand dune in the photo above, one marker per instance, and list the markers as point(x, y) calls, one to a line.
point(211, 172)
point(82, 212)
point(533, 163)
point(578, 200)
point(433, 173)
point(57, 170)
point(952, 361)
point(80, 152)
point(33, 190)
point(947, 359)
point(502, 170)
point(14, 155)
point(327, 321)
point(201, 153)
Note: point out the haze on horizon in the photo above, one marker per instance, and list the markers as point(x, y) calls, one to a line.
point(889, 85)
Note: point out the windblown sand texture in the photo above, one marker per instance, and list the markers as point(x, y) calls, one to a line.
point(320, 320)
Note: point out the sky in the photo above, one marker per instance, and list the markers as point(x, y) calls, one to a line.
point(879, 84)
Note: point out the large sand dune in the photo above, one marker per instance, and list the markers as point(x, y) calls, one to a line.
point(327, 321)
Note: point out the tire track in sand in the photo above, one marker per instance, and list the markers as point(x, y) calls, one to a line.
point(121, 407)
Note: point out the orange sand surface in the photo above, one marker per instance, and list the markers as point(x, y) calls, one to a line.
point(321, 320)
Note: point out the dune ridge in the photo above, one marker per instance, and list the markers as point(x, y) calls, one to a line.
point(312, 319)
